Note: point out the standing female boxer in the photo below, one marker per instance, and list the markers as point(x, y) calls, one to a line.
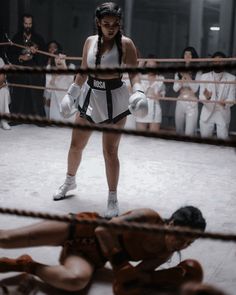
point(103, 99)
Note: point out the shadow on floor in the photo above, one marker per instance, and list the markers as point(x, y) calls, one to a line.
point(25, 284)
point(29, 285)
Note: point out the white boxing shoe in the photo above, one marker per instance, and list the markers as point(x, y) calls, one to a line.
point(112, 206)
point(67, 186)
point(5, 125)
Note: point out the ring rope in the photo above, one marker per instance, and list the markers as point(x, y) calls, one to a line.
point(191, 81)
point(164, 98)
point(5, 43)
point(165, 80)
point(34, 87)
point(119, 70)
point(144, 78)
point(28, 119)
point(164, 60)
point(8, 66)
point(129, 226)
point(25, 47)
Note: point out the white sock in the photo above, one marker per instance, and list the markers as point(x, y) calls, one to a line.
point(112, 195)
point(112, 205)
point(70, 178)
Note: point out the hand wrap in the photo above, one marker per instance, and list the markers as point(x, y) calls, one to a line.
point(68, 101)
point(138, 104)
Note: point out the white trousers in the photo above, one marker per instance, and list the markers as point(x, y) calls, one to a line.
point(186, 115)
point(222, 127)
point(4, 100)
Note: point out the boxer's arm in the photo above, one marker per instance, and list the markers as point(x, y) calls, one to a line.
point(81, 78)
point(108, 238)
point(130, 59)
point(111, 247)
point(74, 91)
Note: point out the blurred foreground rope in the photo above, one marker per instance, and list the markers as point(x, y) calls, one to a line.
point(107, 128)
point(143, 70)
point(127, 226)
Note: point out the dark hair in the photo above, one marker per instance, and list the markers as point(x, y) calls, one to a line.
point(108, 9)
point(219, 53)
point(188, 216)
point(59, 47)
point(192, 50)
point(194, 55)
point(28, 15)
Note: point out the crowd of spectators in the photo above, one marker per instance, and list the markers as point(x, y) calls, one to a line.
point(188, 116)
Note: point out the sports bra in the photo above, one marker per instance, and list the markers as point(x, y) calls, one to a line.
point(109, 59)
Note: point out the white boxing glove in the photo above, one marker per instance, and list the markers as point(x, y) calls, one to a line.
point(67, 108)
point(138, 104)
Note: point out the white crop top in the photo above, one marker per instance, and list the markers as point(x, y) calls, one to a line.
point(108, 59)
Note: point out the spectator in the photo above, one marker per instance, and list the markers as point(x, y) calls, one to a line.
point(4, 97)
point(153, 89)
point(186, 112)
point(216, 114)
point(26, 100)
point(53, 47)
point(54, 97)
point(56, 81)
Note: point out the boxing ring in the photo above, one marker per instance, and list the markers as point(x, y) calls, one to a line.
point(157, 173)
